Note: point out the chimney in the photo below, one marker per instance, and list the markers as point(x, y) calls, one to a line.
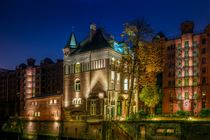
point(92, 30)
point(207, 30)
point(31, 62)
point(187, 27)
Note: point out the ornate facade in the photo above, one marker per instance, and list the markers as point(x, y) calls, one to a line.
point(94, 85)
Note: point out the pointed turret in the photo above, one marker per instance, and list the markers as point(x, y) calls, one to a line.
point(71, 45)
point(72, 42)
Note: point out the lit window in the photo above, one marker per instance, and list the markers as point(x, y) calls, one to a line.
point(186, 73)
point(51, 101)
point(179, 82)
point(35, 103)
point(203, 93)
point(77, 85)
point(195, 82)
point(195, 95)
point(179, 96)
point(186, 62)
point(38, 114)
point(186, 82)
point(77, 68)
point(113, 59)
point(118, 78)
point(179, 73)
point(77, 101)
point(186, 44)
point(186, 95)
point(112, 76)
point(126, 84)
point(35, 114)
point(55, 101)
point(186, 53)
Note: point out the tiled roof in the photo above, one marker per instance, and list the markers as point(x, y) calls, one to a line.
point(99, 40)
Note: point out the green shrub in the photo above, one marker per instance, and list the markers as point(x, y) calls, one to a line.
point(182, 113)
point(142, 114)
point(205, 112)
point(132, 117)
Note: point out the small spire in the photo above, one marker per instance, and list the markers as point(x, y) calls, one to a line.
point(72, 42)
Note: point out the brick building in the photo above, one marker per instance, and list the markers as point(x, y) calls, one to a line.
point(94, 86)
point(186, 76)
point(51, 76)
point(47, 83)
point(44, 107)
point(28, 83)
point(8, 96)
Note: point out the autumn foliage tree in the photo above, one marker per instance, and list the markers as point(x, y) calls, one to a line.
point(134, 32)
point(145, 62)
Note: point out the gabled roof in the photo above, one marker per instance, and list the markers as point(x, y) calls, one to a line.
point(99, 40)
point(72, 42)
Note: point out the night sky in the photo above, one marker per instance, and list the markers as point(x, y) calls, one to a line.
point(41, 28)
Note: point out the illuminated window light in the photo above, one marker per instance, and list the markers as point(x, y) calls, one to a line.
point(126, 84)
point(77, 101)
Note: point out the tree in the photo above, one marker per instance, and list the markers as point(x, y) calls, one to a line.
point(135, 32)
point(150, 96)
point(151, 63)
point(145, 61)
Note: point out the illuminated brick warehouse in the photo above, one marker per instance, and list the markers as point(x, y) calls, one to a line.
point(186, 75)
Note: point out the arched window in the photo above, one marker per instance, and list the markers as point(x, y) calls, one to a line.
point(125, 84)
point(77, 101)
point(74, 101)
point(77, 85)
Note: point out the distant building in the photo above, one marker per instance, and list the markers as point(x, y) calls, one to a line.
point(186, 75)
point(46, 85)
point(28, 85)
point(44, 107)
point(8, 96)
point(94, 85)
point(51, 77)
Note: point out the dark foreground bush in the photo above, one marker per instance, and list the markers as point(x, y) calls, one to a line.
point(205, 112)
